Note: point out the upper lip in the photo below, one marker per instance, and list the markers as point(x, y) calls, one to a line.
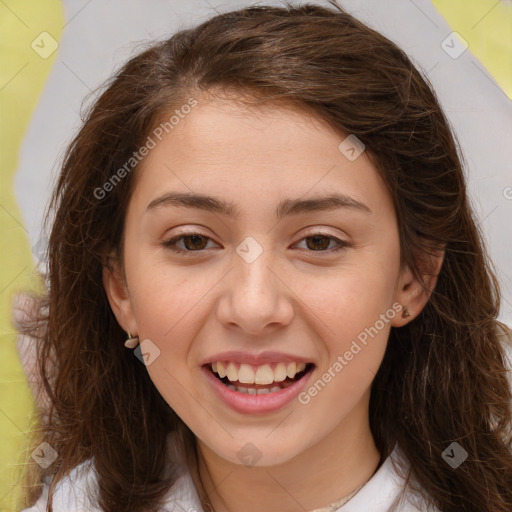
point(237, 356)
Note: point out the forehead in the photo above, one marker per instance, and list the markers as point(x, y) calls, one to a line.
point(276, 129)
point(224, 146)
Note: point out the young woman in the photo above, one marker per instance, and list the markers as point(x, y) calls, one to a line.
point(272, 209)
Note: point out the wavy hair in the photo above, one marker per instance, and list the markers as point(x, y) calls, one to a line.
point(443, 377)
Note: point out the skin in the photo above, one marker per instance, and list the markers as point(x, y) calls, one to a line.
point(293, 298)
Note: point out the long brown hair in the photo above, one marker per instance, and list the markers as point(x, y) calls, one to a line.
point(443, 377)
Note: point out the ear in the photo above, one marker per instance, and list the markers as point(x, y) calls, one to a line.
point(414, 292)
point(114, 282)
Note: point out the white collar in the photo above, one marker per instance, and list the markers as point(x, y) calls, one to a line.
point(75, 493)
point(383, 490)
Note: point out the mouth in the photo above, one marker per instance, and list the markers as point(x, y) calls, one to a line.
point(250, 379)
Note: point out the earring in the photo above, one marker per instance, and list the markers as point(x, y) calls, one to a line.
point(405, 312)
point(132, 341)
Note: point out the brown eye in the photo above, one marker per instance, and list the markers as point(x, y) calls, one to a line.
point(318, 242)
point(192, 242)
point(195, 242)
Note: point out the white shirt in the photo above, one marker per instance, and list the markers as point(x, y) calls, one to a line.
point(75, 493)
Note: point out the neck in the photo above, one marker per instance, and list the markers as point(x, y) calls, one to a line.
point(315, 478)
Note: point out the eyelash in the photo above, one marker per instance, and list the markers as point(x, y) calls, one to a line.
point(168, 244)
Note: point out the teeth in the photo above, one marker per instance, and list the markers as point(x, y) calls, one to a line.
point(264, 375)
point(245, 374)
point(253, 391)
point(291, 370)
point(232, 372)
point(280, 372)
point(220, 370)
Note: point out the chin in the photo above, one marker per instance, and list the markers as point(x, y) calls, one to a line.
point(259, 452)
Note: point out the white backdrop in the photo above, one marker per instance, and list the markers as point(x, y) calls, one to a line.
point(101, 35)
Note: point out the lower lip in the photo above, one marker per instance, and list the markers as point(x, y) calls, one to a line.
point(257, 404)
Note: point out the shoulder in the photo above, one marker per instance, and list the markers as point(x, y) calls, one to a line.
point(386, 491)
point(74, 493)
point(78, 490)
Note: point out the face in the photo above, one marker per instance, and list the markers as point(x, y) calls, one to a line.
point(290, 294)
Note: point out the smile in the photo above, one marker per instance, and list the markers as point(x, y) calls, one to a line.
point(253, 389)
point(257, 380)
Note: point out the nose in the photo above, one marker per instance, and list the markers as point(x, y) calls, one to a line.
point(256, 297)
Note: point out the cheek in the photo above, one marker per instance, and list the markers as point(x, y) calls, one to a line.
point(351, 301)
point(354, 331)
point(164, 296)
point(354, 314)
point(166, 307)
point(167, 313)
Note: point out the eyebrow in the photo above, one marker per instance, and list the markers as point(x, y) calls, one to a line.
point(284, 208)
